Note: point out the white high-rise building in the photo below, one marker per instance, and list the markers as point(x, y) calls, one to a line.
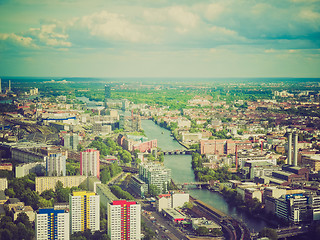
point(84, 211)
point(155, 174)
point(56, 165)
point(124, 220)
point(90, 163)
point(52, 224)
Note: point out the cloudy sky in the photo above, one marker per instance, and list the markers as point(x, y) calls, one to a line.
point(160, 38)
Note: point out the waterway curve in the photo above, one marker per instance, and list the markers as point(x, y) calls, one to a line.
point(182, 172)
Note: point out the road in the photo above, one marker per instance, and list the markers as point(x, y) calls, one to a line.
point(165, 228)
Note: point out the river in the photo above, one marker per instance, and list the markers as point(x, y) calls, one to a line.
point(182, 172)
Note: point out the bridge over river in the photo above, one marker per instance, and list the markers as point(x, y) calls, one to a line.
point(178, 152)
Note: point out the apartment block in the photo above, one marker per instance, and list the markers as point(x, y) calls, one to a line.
point(84, 211)
point(52, 224)
point(56, 165)
point(90, 163)
point(124, 220)
point(46, 183)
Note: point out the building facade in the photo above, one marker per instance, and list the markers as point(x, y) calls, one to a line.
point(90, 163)
point(52, 224)
point(124, 220)
point(84, 211)
point(155, 174)
point(46, 183)
point(56, 165)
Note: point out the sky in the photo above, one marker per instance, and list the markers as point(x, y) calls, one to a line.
point(162, 38)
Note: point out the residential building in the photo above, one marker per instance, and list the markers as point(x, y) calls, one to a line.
point(71, 141)
point(223, 146)
point(28, 210)
point(27, 168)
point(46, 183)
point(84, 211)
point(124, 220)
point(52, 224)
point(56, 165)
point(90, 163)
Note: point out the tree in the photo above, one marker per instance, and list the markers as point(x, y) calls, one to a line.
point(105, 176)
point(153, 190)
point(188, 205)
point(23, 218)
point(202, 231)
point(269, 232)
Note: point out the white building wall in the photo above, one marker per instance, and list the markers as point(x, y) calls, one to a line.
point(178, 199)
point(41, 226)
point(94, 214)
point(135, 222)
point(3, 184)
point(75, 213)
point(114, 221)
point(63, 226)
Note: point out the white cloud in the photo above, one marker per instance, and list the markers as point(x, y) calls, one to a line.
point(47, 35)
point(214, 10)
point(17, 40)
point(309, 15)
point(178, 18)
point(112, 26)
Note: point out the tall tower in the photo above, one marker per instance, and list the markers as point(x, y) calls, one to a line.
point(295, 149)
point(107, 91)
point(9, 89)
point(124, 220)
point(84, 211)
point(289, 147)
point(0, 87)
point(90, 163)
point(52, 224)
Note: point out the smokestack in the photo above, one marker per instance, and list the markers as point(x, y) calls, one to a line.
point(289, 147)
point(295, 149)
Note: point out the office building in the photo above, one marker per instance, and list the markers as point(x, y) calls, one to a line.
point(56, 165)
point(52, 224)
point(124, 220)
point(90, 163)
point(155, 174)
point(84, 211)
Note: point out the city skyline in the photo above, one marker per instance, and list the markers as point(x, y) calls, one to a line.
point(160, 39)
